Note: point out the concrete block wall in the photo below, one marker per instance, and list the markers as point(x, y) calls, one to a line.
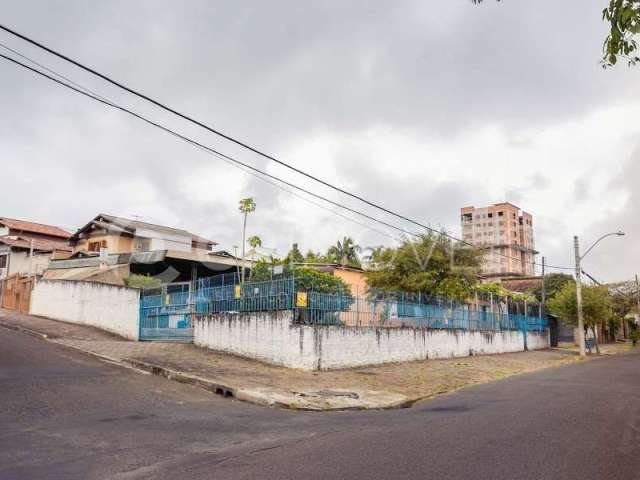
point(108, 307)
point(274, 338)
point(268, 336)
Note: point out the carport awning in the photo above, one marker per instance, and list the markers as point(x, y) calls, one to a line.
point(210, 261)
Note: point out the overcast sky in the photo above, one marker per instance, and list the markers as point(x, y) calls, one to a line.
point(423, 106)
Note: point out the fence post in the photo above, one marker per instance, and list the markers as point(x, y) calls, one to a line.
point(493, 322)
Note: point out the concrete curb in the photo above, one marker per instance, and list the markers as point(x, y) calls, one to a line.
point(28, 331)
point(245, 395)
point(251, 396)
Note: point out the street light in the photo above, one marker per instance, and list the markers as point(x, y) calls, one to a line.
point(576, 246)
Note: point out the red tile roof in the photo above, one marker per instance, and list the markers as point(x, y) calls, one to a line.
point(31, 227)
point(39, 245)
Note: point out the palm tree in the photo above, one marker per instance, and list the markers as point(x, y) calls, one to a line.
point(247, 205)
point(254, 242)
point(374, 255)
point(345, 252)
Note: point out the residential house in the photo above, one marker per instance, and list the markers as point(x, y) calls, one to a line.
point(110, 248)
point(27, 247)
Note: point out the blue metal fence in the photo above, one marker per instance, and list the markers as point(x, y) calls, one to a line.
point(167, 314)
point(328, 309)
point(248, 297)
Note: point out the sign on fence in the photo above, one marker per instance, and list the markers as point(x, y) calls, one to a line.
point(301, 299)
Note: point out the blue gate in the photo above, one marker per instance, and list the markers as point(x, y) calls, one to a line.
point(166, 313)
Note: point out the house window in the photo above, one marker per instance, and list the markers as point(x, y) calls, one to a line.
point(3, 261)
point(500, 214)
point(490, 215)
point(96, 246)
point(143, 245)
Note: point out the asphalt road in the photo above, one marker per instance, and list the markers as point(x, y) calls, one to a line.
point(64, 415)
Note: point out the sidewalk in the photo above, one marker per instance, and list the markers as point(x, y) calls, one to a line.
point(605, 348)
point(386, 386)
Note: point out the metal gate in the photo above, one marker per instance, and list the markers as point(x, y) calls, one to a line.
point(166, 313)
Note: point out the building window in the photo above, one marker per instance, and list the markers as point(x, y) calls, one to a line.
point(96, 246)
point(500, 214)
point(3, 261)
point(143, 245)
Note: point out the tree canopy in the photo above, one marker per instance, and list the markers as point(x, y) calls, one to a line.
point(306, 279)
point(431, 263)
point(344, 252)
point(623, 19)
point(553, 283)
point(294, 255)
point(596, 305)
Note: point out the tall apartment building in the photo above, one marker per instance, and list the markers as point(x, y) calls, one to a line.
point(506, 233)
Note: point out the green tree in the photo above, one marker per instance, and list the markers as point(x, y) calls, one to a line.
point(623, 304)
point(345, 252)
point(596, 306)
point(431, 264)
point(142, 281)
point(623, 19)
point(247, 206)
point(553, 283)
point(294, 255)
point(306, 279)
point(254, 242)
point(499, 292)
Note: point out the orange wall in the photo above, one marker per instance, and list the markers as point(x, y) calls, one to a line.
point(356, 280)
point(115, 243)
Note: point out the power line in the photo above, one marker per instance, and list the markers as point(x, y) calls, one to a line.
point(249, 172)
point(96, 97)
point(206, 148)
point(83, 91)
point(244, 144)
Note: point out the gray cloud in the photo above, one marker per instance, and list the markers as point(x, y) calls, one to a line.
point(617, 258)
point(274, 74)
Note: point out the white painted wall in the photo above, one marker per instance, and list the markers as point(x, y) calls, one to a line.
point(274, 338)
point(109, 307)
point(270, 337)
point(160, 240)
point(19, 262)
point(538, 341)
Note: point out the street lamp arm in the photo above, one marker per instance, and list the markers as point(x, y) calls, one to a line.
point(619, 233)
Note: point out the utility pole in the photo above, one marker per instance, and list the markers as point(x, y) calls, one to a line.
point(543, 293)
point(576, 246)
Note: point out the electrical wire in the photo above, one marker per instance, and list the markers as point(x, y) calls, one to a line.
point(96, 97)
point(245, 145)
point(249, 172)
point(206, 148)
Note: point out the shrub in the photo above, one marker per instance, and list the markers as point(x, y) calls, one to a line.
point(142, 281)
